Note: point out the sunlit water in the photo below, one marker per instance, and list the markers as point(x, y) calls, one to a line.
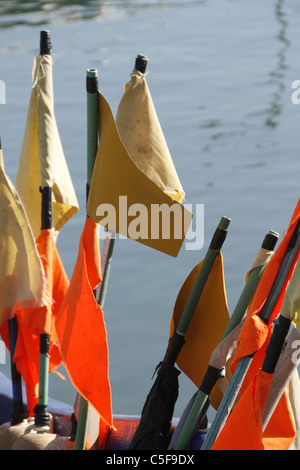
point(220, 74)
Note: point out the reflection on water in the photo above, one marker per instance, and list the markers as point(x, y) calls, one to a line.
point(219, 132)
point(22, 12)
point(19, 12)
point(277, 75)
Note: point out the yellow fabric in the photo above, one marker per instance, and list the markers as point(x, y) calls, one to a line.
point(141, 133)
point(206, 327)
point(116, 175)
point(291, 303)
point(42, 161)
point(263, 257)
point(22, 277)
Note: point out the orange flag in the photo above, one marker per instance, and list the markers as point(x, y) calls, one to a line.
point(243, 428)
point(34, 321)
point(81, 330)
point(255, 333)
point(42, 320)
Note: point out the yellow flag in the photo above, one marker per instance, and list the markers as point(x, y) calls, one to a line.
point(141, 133)
point(22, 278)
point(42, 161)
point(207, 325)
point(123, 198)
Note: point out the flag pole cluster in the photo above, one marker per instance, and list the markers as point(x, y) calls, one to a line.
point(43, 321)
point(243, 365)
point(256, 357)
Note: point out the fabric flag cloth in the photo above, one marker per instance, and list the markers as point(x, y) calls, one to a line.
point(291, 303)
point(280, 430)
point(207, 324)
point(255, 334)
point(286, 377)
point(42, 321)
point(125, 200)
point(42, 161)
point(243, 428)
point(35, 321)
point(82, 333)
point(22, 278)
point(142, 135)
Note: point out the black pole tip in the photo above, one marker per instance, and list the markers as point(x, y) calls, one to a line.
point(270, 240)
point(141, 62)
point(92, 81)
point(45, 43)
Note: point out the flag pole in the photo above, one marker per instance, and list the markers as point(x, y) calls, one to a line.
point(42, 417)
point(19, 413)
point(211, 255)
point(141, 62)
point(198, 406)
point(92, 147)
point(244, 363)
point(158, 409)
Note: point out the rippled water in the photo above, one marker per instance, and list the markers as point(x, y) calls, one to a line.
point(220, 74)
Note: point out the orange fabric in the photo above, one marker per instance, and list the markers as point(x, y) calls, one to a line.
point(32, 322)
point(41, 320)
point(243, 428)
point(255, 333)
point(81, 330)
point(26, 358)
point(282, 419)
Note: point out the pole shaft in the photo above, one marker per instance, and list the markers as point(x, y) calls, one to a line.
point(202, 395)
point(228, 401)
point(18, 412)
point(203, 274)
point(265, 314)
point(92, 147)
point(42, 417)
point(92, 120)
point(191, 421)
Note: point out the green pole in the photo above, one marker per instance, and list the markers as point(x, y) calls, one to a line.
point(106, 269)
point(141, 62)
point(162, 392)
point(254, 277)
point(240, 372)
point(92, 147)
point(245, 298)
point(201, 279)
point(92, 121)
point(42, 417)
